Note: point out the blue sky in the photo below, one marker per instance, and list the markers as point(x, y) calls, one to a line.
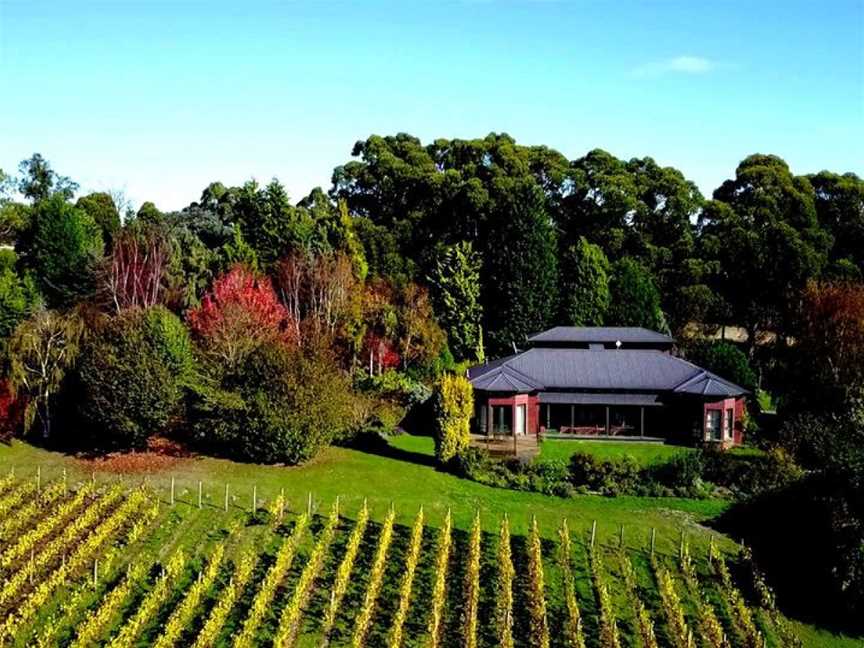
point(160, 98)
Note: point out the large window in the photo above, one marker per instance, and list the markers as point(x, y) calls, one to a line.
point(712, 425)
point(729, 422)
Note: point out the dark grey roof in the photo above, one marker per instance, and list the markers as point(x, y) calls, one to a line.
point(707, 384)
point(601, 335)
point(611, 370)
point(502, 378)
point(581, 398)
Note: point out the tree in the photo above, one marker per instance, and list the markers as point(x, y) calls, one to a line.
point(133, 374)
point(421, 340)
point(41, 351)
point(240, 313)
point(38, 181)
point(63, 247)
point(321, 292)
point(19, 297)
point(635, 300)
point(103, 210)
point(454, 406)
point(827, 361)
point(762, 231)
point(584, 284)
point(455, 285)
point(281, 405)
point(839, 201)
point(137, 268)
point(725, 360)
point(520, 267)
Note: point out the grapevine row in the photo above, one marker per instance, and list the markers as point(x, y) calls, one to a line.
point(710, 628)
point(343, 572)
point(504, 588)
point(151, 604)
point(216, 620)
point(17, 495)
point(439, 590)
point(644, 623)
point(290, 622)
point(364, 618)
point(267, 591)
point(679, 633)
point(472, 586)
point(23, 516)
point(737, 607)
point(395, 638)
point(573, 634)
point(97, 621)
point(75, 603)
point(82, 555)
point(58, 518)
point(13, 585)
point(181, 616)
point(538, 626)
point(609, 637)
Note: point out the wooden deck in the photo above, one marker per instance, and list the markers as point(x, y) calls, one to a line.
point(524, 447)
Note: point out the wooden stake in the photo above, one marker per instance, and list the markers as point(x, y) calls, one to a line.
point(172, 490)
point(64, 479)
point(254, 498)
point(226, 498)
point(309, 505)
point(281, 503)
point(200, 493)
point(621, 537)
point(653, 540)
point(593, 532)
point(39, 479)
point(95, 573)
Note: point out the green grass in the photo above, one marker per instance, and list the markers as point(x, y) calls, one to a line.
point(401, 474)
point(644, 453)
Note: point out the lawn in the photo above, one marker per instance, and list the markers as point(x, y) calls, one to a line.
point(400, 474)
point(403, 474)
point(644, 453)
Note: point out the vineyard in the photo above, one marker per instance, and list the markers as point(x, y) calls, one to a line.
point(90, 564)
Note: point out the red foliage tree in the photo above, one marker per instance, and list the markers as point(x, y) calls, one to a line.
point(380, 353)
point(240, 312)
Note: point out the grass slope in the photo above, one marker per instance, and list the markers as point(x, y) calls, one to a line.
point(401, 474)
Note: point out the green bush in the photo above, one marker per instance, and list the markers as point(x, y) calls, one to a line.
point(609, 477)
point(281, 405)
point(133, 376)
point(454, 406)
point(547, 477)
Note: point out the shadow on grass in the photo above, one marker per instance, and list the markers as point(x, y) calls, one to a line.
point(378, 445)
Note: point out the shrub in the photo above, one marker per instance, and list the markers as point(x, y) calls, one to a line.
point(607, 477)
point(454, 405)
point(133, 374)
point(280, 405)
point(682, 473)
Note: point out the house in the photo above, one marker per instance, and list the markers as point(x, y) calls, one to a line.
point(605, 382)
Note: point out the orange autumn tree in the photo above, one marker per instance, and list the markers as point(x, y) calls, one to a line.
point(240, 313)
